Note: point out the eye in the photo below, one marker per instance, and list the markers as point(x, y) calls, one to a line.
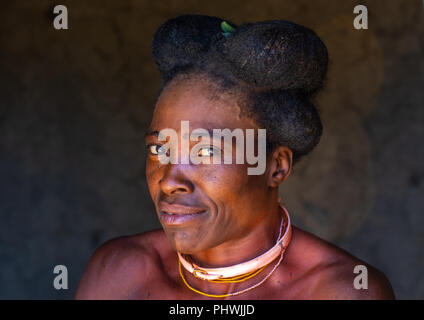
point(156, 149)
point(206, 151)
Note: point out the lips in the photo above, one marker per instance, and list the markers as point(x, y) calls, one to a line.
point(175, 214)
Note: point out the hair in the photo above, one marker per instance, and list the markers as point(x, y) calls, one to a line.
point(277, 66)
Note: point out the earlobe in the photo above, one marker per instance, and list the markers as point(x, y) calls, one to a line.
point(278, 177)
point(280, 166)
point(278, 173)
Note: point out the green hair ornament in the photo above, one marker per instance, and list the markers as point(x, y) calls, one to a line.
point(226, 28)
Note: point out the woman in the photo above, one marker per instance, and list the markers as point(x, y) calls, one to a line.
point(226, 234)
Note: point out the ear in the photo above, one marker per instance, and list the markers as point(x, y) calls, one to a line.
point(280, 166)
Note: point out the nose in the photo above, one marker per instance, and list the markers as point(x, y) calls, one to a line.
point(174, 181)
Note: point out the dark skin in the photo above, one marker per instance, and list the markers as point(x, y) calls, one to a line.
point(242, 221)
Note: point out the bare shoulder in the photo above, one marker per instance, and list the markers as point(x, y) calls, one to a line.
point(333, 273)
point(114, 266)
point(353, 279)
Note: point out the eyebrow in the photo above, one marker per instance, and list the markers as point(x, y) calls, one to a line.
point(152, 133)
point(210, 131)
point(156, 133)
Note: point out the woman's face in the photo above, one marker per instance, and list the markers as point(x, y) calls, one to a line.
point(212, 203)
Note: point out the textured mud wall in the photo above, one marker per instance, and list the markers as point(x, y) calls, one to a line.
point(74, 105)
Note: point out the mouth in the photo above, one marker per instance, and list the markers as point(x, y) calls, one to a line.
point(177, 214)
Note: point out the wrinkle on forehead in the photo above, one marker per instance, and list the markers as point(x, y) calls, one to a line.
point(213, 92)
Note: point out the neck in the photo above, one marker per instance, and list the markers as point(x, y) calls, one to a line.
point(258, 241)
point(248, 246)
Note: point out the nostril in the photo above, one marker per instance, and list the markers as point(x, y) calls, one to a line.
point(173, 186)
point(174, 180)
point(178, 190)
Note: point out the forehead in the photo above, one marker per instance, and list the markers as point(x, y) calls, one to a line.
point(192, 101)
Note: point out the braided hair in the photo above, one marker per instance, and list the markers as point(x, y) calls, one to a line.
point(277, 66)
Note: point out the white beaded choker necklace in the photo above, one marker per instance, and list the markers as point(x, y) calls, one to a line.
point(247, 266)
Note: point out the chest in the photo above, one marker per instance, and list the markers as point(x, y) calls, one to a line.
point(174, 288)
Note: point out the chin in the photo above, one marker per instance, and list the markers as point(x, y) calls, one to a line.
point(182, 243)
point(185, 247)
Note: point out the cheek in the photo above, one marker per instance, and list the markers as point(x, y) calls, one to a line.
point(152, 177)
point(227, 182)
point(234, 193)
point(149, 169)
point(219, 176)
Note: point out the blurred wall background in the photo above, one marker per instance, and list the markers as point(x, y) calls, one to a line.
point(74, 105)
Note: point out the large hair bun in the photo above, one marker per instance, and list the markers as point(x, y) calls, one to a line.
point(277, 55)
